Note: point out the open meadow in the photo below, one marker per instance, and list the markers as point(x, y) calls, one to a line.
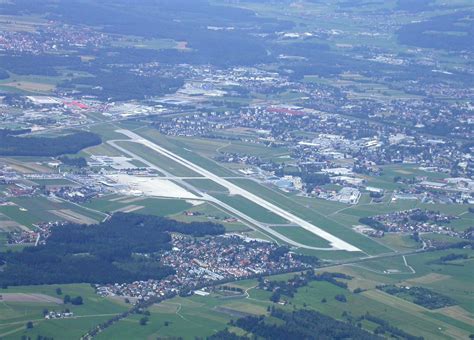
point(20, 305)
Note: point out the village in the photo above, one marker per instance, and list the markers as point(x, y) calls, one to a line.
point(206, 262)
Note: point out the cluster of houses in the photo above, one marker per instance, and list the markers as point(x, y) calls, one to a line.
point(49, 37)
point(417, 220)
point(58, 315)
point(202, 262)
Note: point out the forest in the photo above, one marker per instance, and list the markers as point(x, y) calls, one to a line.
point(78, 162)
point(4, 74)
point(452, 32)
point(43, 65)
point(102, 253)
point(419, 295)
point(104, 85)
point(373, 223)
point(301, 324)
point(12, 144)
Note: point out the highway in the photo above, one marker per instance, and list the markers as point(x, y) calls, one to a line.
point(335, 242)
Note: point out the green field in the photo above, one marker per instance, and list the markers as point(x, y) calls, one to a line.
point(208, 212)
point(302, 236)
point(54, 182)
point(14, 315)
point(436, 324)
point(160, 161)
point(206, 185)
point(39, 209)
point(399, 242)
point(187, 317)
point(163, 207)
point(152, 206)
point(19, 216)
point(202, 316)
point(213, 147)
point(251, 209)
point(103, 150)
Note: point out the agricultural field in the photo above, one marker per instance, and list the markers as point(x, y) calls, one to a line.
point(207, 212)
point(31, 210)
point(203, 315)
point(30, 85)
point(186, 317)
point(27, 303)
point(27, 164)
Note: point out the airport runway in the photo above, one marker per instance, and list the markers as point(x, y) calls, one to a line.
point(335, 242)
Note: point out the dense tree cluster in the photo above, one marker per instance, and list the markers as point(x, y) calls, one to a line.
point(4, 74)
point(11, 144)
point(289, 288)
point(308, 259)
point(102, 253)
point(43, 65)
point(313, 180)
point(77, 300)
point(276, 254)
point(301, 324)
point(449, 258)
point(78, 162)
point(373, 223)
point(104, 85)
point(420, 296)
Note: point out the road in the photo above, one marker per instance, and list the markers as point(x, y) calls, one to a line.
point(335, 242)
